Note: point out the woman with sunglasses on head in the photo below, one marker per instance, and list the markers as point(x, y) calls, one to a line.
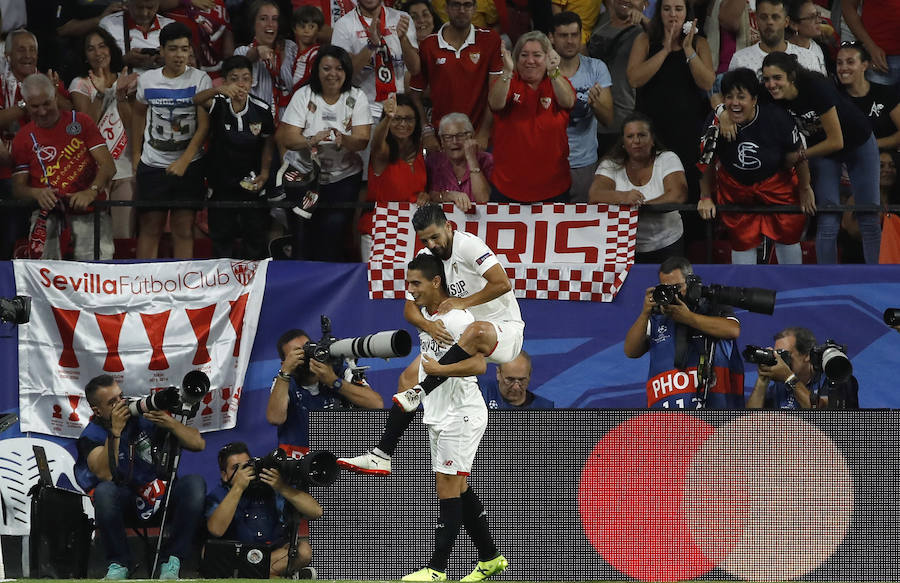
point(879, 102)
point(396, 164)
point(837, 134)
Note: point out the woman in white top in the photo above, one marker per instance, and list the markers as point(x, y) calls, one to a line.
point(103, 93)
point(272, 57)
point(637, 172)
point(331, 118)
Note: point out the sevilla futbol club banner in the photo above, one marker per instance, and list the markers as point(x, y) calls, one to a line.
point(145, 324)
point(550, 251)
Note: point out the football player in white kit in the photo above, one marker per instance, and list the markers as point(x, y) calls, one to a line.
point(476, 281)
point(456, 417)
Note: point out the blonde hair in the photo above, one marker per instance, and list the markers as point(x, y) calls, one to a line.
point(533, 36)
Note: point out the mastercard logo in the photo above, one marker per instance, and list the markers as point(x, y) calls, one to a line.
point(764, 497)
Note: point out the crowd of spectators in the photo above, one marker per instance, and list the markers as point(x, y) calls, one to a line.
point(460, 101)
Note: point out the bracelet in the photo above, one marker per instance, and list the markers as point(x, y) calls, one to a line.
point(691, 58)
point(115, 436)
point(474, 170)
point(428, 131)
point(506, 77)
point(283, 376)
point(556, 73)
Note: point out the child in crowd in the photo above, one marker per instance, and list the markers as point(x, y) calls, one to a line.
point(168, 135)
point(307, 21)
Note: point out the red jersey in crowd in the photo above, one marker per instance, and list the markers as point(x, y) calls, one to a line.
point(209, 28)
point(459, 80)
point(531, 147)
point(333, 10)
point(62, 153)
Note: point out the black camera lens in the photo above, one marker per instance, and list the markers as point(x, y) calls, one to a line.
point(892, 316)
point(665, 294)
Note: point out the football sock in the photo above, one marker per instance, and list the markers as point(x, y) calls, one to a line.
point(445, 533)
point(474, 519)
point(454, 354)
point(397, 422)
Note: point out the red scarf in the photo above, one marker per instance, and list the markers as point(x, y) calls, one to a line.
point(385, 82)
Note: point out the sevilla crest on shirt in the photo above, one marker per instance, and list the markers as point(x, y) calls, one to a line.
point(545, 102)
point(475, 57)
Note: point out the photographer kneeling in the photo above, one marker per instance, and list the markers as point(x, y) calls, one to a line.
point(135, 485)
point(249, 508)
point(681, 337)
point(797, 380)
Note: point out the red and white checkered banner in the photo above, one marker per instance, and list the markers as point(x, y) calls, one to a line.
point(146, 324)
point(551, 251)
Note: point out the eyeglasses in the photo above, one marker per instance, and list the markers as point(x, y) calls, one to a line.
point(461, 5)
point(461, 136)
point(513, 380)
point(398, 119)
point(809, 18)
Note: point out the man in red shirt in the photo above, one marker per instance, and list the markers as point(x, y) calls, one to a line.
point(61, 161)
point(210, 25)
point(458, 63)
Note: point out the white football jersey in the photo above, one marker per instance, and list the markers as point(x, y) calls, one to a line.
point(457, 395)
point(464, 272)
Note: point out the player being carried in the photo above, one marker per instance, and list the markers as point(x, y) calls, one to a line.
point(476, 281)
point(456, 418)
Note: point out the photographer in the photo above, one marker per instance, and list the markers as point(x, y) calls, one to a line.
point(680, 338)
point(793, 382)
point(135, 488)
point(301, 386)
point(249, 508)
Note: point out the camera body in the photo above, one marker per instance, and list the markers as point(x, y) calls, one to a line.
point(758, 355)
point(831, 358)
point(318, 468)
point(752, 299)
point(16, 310)
point(183, 400)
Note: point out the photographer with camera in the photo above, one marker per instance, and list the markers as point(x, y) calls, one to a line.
point(119, 455)
point(799, 374)
point(248, 506)
point(305, 384)
point(694, 358)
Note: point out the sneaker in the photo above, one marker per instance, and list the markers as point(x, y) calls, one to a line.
point(116, 572)
point(307, 574)
point(170, 569)
point(409, 399)
point(367, 463)
point(425, 574)
point(485, 569)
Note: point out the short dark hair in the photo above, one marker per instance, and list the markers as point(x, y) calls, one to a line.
point(793, 7)
point(619, 154)
point(741, 78)
point(564, 18)
point(307, 14)
point(230, 449)
point(430, 266)
point(95, 384)
point(672, 263)
point(174, 31)
point(287, 337)
point(429, 214)
point(783, 3)
point(236, 62)
point(804, 339)
point(335, 52)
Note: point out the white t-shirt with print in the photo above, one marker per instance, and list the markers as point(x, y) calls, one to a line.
point(350, 35)
point(110, 124)
point(309, 111)
point(171, 113)
point(752, 58)
point(655, 230)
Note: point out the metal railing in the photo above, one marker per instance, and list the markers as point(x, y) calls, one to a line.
point(102, 205)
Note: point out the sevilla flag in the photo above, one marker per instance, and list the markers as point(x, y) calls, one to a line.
point(146, 324)
point(579, 252)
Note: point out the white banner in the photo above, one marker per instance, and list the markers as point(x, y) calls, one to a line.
point(550, 251)
point(146, 324)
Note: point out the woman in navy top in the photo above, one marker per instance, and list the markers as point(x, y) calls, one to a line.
point(836, 133)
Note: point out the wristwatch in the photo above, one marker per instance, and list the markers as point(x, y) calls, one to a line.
point(337, 384)
point(283, 376)
point(21, 104)
point(792, 381)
